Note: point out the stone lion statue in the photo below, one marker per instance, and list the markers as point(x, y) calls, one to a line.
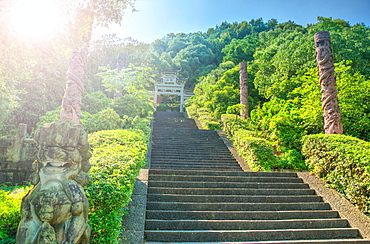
point(55, 210)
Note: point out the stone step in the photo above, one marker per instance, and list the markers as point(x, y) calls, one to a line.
point(204, 156)
point(193, 166)
point(241, 215)
point(206, 178)
point(249, 235)
point(230, 191)
point(179, 162)
point(186, 151)
point(231, 173)
point(194, 206)
point(315, 241)
point(185, 224)
point(228, 185)
point(233, 198)
point(212, 165)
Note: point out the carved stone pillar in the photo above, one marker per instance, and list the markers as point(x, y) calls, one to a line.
point(71, 103)
point(55, 210)
point(244, 112)
point(328, 84)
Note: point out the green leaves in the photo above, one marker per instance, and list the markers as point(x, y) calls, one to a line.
point(343, 162)
point(118, 155)
point(10, 205)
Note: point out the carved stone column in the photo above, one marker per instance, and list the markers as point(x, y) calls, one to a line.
point(71, 103)
point(244, 112)
point(328, 84)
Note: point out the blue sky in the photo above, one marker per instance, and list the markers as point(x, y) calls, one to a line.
point(156, 18)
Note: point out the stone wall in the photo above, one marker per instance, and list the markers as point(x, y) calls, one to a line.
point(16, 157)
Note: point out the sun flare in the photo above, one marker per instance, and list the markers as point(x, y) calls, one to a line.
point(37, 20)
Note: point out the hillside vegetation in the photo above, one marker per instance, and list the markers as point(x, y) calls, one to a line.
point(284, 97)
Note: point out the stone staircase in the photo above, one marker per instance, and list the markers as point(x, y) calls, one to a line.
point(197, 192)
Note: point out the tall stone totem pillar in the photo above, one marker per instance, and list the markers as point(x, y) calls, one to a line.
point(71, 104)
point(328, 84)
point(244, 112)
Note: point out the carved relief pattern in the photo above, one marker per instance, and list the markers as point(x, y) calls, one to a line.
point(55, 210)
point(329, 92)
point(71, 103)
point(244, 89)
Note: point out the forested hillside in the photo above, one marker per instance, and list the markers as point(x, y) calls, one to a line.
point(283, 82)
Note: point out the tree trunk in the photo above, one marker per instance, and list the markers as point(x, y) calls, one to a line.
point(244, 111)
point(329, 99)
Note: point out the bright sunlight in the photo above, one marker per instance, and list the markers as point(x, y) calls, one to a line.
point(37, 20)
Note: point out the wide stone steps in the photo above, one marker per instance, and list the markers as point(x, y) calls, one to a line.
point(241, 215)
point(230, 191)
point(247, 185)
point(231, 198)
point(197, 192)
point(185, 224)
point(225, 206)
point(223, 179)
point(249, 235)
point(185, 165)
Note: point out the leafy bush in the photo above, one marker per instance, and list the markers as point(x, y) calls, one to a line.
point(132, 105)
point(343, 162)
point(106, 119)
point(95, 102)
point(257, 152)
point(232, 123)
point(118, 155)
point(49, 116)
point(191, 110)
point(10, 205)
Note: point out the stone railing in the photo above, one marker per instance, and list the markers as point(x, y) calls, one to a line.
point(16, 157)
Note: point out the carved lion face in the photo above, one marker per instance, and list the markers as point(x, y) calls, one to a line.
point(59, 160)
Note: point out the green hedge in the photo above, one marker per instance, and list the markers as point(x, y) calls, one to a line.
point(343, 162)
point(232, 123)
point(258, 152)
point(118, 155)
point(10, 205)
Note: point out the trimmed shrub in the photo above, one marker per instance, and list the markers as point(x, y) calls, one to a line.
point(10, 205)
point(106, 119)
point(191, 111)
point(343, 162)
point(238, 129)
point(257, 152)
point(233, 122)
point(118, 155)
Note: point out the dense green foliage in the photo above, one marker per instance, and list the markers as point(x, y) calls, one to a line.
point(343, 162)
point(118, 155)
point(258, 152)
point(284, 91)
point(10, 205)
